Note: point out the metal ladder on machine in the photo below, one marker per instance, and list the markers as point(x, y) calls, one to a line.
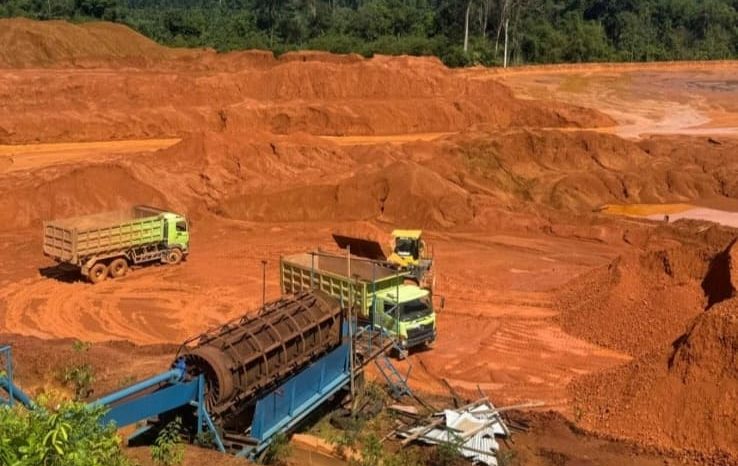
point(396, 382)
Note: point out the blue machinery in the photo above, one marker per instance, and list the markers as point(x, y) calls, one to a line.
point(249, 380)
point(172, 393)
point(13, 394)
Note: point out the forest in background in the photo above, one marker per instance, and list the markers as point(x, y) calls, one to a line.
point(459, 32)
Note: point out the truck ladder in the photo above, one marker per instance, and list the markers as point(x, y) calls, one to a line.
point(369, 343)
point(396, 382)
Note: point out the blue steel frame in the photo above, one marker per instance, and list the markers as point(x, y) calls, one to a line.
point(6, 381)
point(127, 408)
point(284, 407)
point(280, 410)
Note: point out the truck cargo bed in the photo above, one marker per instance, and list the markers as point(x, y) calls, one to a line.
point(364, 269)
point(328, 273)
point(73, 239)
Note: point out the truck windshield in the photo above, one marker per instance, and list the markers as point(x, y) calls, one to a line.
point(406, 247)
point(416, 309)
point(181, 227)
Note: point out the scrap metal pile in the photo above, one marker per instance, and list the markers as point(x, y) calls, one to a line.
point(472, 429)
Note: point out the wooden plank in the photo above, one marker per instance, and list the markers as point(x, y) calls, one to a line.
point(423, 431)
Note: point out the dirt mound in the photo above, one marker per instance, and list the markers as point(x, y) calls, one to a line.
point(402, 193)
point(721, 280)
point(681, 397)
point(626, 307)
point(710, 348)
point(26, 43)
point(641, 302)
point(582, 170)
point(142, 90)
point(78, 191)
point(325, 57)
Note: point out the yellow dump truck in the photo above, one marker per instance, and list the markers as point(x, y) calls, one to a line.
point(105, 244)
point(378, 293)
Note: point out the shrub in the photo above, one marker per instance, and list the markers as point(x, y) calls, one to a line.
point(81, 377)
point(278, 451)
point(70, 435)
point(168, 449)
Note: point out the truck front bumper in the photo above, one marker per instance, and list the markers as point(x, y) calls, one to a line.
point(419, 335)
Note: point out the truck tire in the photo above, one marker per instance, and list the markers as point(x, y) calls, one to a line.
point(174, 256)
point(98, 272)
point(118, 268)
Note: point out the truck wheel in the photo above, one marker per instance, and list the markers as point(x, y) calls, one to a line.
point(174, 256)
point(98, 272)
point(118, 268)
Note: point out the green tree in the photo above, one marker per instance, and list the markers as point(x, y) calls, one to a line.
point(168, 449)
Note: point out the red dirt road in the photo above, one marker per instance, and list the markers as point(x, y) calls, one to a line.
point(31, 156)
point(503, 320)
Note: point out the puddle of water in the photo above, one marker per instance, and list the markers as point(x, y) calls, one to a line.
point(674, 212)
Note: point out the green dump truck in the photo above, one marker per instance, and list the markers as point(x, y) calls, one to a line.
point(108, 243)
point(379, 294)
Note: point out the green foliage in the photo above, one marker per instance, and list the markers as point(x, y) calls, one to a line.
point(278, 451)
point(70, 435)
point(372, 453)
point(540, 31)
point(79, 374)
point(346, 442)
point(80, 377)
point(168, 449)
point(80, 346)
point(205, 439)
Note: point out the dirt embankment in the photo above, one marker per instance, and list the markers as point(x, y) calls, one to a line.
point(643, 301)
point(580, 171)
point(257, 181)
point(27, 43)
point(249, 150)
point(40, 364)
point(682, 394)
point(461, 180)
point(116, 84)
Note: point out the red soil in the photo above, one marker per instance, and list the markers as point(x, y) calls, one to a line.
point(641, 303)
point(506, 189)
point(683, 396)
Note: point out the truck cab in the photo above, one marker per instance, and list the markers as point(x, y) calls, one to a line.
point(406, 312)
point(176, 232)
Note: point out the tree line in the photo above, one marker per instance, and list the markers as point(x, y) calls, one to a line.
point(460, 32)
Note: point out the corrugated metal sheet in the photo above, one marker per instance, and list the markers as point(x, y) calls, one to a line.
point(476, 427)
